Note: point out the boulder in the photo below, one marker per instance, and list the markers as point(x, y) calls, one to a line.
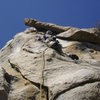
point(44, 26)
point(82, 35)
point(36, 71)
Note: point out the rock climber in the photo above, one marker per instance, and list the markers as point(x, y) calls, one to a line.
point(52, 42)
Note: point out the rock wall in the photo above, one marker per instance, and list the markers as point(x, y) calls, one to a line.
point(30, 70)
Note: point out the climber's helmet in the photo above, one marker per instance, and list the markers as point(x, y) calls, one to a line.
point(49, 32)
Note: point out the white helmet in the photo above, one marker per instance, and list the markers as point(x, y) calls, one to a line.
point(49, 32)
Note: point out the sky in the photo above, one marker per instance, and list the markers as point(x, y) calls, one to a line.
point(75, 13)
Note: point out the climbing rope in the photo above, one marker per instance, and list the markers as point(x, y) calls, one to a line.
point(42, 74)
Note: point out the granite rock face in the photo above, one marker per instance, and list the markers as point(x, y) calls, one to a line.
point(4, 86)
point(30, 70)
point(81, 35)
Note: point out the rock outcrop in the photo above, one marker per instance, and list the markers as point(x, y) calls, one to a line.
point(81, 35)
point(44, 26)
point(30, 70)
